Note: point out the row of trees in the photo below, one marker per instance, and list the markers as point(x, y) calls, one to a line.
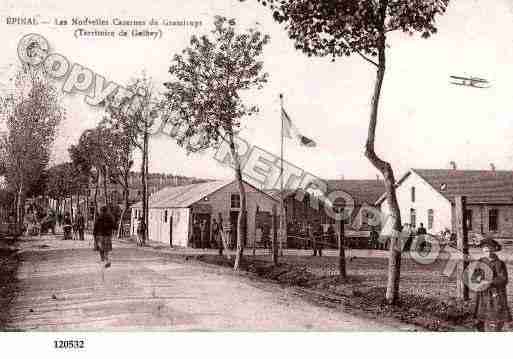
point(31, 113)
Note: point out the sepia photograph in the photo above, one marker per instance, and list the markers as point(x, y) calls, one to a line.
point(219, 168)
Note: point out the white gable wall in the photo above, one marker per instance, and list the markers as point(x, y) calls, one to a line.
point(426, 197)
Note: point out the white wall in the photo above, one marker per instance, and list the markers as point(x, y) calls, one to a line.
point(426, 197)
point(159, 227)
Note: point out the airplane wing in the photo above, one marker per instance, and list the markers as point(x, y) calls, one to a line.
point(460, 77)
point(477, 79)
point(477, 85)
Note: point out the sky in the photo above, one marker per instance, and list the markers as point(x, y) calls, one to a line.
point(424, 121)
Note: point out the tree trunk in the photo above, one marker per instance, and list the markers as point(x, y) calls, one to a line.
point(125, 209)
point(394, 263)
point(242, 220)
point(146, 164)
point(144, 184)
point(19, 214)
point(71, 205)
point(96, 197)
point(86, 210)
point(105, 186)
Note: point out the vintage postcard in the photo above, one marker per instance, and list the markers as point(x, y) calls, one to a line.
point(255, 166)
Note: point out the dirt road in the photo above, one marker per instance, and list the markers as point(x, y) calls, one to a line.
point(62, 286)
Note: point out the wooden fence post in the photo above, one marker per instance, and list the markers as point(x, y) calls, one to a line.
point(341, 252)
point(255, 231)
point(462, 244)
point(274, 244)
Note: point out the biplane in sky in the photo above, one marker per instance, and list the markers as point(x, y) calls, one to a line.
point(470, 81)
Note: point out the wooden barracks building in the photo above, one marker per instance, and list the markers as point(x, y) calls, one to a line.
point(173, 210)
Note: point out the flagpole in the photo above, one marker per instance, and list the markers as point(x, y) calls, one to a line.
point(282, 201)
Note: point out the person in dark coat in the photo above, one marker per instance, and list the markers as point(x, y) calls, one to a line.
point(491, 306)
point(374, 239)
point(67, 226)
point(421, 230)
point(317, 239)
point(103, 228)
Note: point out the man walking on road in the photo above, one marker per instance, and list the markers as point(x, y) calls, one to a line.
point(103, 228)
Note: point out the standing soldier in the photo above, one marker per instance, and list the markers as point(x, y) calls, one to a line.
point(319, 233)
point(491, 307)
point(67, 226)
point(374, 239)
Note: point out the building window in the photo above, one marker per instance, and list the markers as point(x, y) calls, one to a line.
point(431, 218)
point(413, 218)
point(413, 194)
point(493, 220)
point(468, 216)
point(235, 200)
point(165, 216)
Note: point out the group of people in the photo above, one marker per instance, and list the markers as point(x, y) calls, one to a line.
point(200, 235)
point(76, 227)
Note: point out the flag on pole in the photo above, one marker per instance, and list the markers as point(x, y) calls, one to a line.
point(291, 131)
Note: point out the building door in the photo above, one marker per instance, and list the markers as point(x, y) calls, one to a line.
point(171, 231)
point(204, 222)
point(234, 218)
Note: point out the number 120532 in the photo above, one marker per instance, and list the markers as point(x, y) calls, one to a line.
point(69, 344)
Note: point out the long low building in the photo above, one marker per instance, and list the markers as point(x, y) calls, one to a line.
point(173, 210)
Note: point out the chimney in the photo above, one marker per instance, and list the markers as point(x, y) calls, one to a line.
point(492, 167)
point(453, 165)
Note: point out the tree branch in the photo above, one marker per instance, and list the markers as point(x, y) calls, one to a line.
point(367, 59)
